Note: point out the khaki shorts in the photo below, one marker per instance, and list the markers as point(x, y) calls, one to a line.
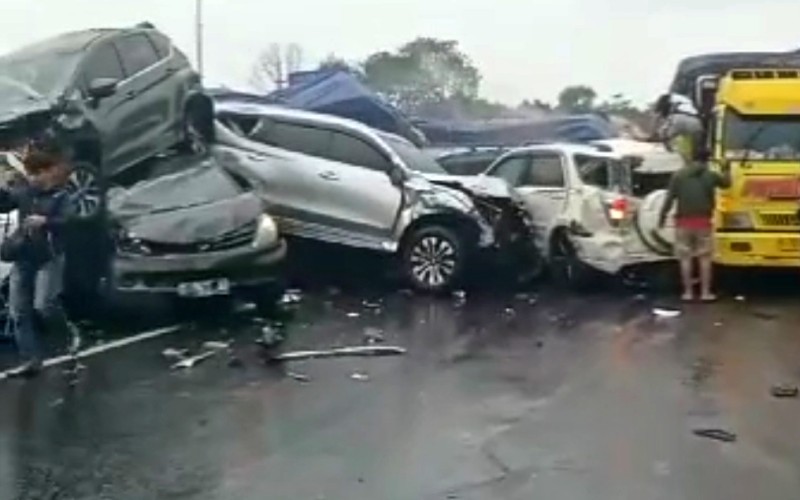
point(693, 242)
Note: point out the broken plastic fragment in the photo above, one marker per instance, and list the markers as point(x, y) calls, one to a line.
point(785, 391)
point(270, 337)
point(373, 335)
point(172, 353)
point(371, 304)
point(300, 377)
point(718, 434)
point(361, 377)
point(740, 298)
point(666, 313)
point(353, 315)
point(216, 344)
point(290, 297)
point(344, 351)
point(194, 360)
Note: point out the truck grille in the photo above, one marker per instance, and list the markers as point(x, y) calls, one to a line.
point(236, 238)
point(779, 219)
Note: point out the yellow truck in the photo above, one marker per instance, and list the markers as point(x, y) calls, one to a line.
point(751, 107)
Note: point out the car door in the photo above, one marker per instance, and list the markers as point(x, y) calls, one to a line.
point(361, 198)
point(144, 118)
point(103, 61)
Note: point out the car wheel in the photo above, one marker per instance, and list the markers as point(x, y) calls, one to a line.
point(434, 259)
point(85, 190)
point(567, 269)
point(194, 140)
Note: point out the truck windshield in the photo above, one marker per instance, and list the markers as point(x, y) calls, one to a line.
point(761, 137)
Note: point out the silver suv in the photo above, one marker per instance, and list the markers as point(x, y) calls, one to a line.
point(338, 181)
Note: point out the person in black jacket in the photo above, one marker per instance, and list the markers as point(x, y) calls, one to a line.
point(37, 251)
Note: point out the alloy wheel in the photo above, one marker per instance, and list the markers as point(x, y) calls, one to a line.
point(433, 261)
point(85, 192)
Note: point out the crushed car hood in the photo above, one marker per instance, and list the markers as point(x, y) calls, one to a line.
point(17, 100)
point(184, 208)
point(479, 185)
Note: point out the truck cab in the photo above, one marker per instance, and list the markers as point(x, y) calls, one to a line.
point(755, 130)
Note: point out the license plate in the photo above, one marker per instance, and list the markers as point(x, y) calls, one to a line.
point(208, 288)
point(789, 244)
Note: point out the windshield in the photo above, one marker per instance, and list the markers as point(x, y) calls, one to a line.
point(39, 74)
point(413, 157)
point(760, 137)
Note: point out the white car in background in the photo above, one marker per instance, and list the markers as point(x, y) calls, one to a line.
point(592, 209)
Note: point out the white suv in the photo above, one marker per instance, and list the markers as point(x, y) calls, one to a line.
point(584, 207)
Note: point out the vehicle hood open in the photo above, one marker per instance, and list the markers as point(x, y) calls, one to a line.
point(183, 208)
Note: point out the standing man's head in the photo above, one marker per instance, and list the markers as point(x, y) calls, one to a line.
point(47, 166)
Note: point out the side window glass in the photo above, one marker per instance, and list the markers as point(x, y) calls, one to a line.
point(297, 138)
point(353, 151)
point(103, 63)
point(137, 53)
point(545, 170)
point(160, 43)
point(512, 170)
point(593, 171)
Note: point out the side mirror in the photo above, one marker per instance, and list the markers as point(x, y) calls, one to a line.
point(397, 175)
point(100, 88)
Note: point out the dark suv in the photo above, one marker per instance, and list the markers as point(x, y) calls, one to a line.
point(114, 97)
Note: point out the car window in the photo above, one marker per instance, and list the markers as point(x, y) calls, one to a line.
point(299, 138)
point(593, 170)
point(348, 149)
point(103, 63)
point(137, 53)
point(512, 170)
point(545, 171)
point(160, 43)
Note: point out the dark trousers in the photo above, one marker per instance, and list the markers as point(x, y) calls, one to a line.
point(36, 290)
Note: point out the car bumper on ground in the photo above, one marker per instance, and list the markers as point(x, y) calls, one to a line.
point(200, 275)
point(757, 249)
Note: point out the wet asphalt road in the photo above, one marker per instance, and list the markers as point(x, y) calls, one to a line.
point(503, 397)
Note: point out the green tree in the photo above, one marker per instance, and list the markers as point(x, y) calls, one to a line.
point(421, 72)
point(577, 99)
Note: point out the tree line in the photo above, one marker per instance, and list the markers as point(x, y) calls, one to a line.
point(429, 76)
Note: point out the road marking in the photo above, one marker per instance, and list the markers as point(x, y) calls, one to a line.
point(116, 344)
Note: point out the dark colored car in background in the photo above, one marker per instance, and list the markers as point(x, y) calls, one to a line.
point(113, 97)
point(195, 233)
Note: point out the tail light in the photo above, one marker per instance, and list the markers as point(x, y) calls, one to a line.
point(617, 209)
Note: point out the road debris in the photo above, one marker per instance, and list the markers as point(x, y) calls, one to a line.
point(359, 376)
point(373, 335)
point(765, 315)
point(341, 352)
point(190, 362)
point(718, 434)
point(300, 377)
point(740, 298)
point(270, 337)
point(661, 312)
point(376, 304)
point(173, 354)
point(353, 315)
point(459, 298)
point(291, 297)
point(784, 391)
point(216, 344)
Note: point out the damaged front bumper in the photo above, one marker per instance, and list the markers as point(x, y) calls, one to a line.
point(243, 267)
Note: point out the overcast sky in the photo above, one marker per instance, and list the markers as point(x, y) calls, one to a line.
point(524, 48)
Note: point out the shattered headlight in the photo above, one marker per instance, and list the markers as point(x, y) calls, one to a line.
point(129, 244)
point(266, 232)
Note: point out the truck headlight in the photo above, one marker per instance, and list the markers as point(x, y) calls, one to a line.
point(266, 232)
point(736, 220)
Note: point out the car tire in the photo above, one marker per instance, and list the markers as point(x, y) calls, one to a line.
point(194, 140)
point(434, 259)
point(85, 189)
point(567, 270)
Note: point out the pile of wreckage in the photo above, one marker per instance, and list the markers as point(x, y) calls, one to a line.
point(192, 193)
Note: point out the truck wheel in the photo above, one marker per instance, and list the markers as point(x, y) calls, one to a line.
point(567, 269)
point(434, 259)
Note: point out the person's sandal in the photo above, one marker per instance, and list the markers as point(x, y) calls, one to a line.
point(709, 298)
